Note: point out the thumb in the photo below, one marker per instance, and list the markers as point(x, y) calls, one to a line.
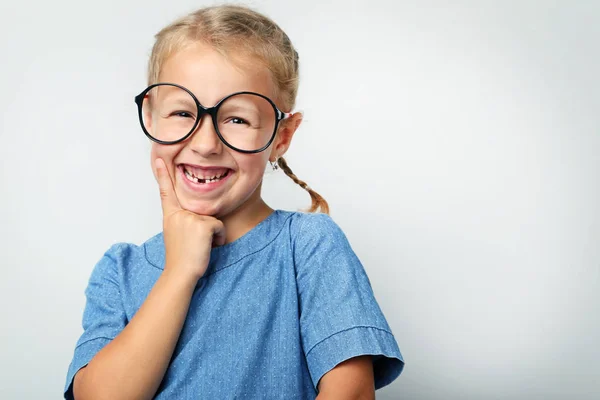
point(168, 198)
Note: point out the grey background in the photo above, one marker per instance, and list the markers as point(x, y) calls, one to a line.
point(457, 144)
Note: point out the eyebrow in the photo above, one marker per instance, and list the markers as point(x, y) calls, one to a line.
point(181, 101)
point(235, 107)
point(237, 104)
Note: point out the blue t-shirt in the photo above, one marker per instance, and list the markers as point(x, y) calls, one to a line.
point(275, 310)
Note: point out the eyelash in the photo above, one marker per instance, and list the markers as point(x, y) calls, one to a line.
point(239, 119)
point(178, 114)
point(189, 115)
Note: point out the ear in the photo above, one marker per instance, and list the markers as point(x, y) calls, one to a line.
point(285, 134)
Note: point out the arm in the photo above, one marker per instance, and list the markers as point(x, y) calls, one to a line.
point(133, 364)
point(339, 316)
point(351, 379)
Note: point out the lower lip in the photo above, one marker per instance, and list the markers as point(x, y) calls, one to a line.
point(202, 187)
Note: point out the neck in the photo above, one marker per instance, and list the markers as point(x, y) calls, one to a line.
point(240, 221)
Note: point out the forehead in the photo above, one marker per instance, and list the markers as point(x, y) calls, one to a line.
point(211, 76)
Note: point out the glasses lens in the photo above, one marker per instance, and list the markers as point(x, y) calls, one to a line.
point(246, 121)
point(168, 113)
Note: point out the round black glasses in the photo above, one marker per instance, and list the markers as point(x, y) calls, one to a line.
point(244, 121)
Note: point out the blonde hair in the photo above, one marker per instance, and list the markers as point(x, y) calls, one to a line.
point(239, 30)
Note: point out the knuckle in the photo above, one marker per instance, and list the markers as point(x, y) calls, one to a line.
point(164, 193)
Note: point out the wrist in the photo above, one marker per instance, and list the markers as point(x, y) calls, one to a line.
point(180, 279)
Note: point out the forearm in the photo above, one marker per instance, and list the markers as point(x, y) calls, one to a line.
point(345, 396)
point(133, 364)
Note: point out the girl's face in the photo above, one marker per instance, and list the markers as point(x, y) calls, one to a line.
point(211, 77)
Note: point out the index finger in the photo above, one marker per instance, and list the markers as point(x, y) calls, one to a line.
point(168, 198)
point(218, 233)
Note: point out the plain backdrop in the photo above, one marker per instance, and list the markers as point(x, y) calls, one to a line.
point(456, 142)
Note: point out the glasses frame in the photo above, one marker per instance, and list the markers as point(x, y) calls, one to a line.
point(212, 111)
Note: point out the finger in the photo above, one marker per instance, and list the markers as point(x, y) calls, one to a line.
point(168, 198)
point(218, 233)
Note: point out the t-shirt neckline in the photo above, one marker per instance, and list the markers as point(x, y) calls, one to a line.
point(224, 256)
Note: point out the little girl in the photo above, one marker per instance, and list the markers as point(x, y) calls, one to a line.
point(232, 299)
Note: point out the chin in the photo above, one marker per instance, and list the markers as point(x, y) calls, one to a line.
point(202, 208)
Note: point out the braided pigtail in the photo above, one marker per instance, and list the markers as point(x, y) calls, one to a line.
point(318, 202)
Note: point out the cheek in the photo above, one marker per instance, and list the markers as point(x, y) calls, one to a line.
point(167, 153)
point(253, 166)
point(153, 157)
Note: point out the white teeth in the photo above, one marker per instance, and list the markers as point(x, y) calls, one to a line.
point(195, 179)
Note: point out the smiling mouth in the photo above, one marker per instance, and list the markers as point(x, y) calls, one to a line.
point(207, 177)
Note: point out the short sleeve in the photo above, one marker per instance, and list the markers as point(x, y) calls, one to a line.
point(339, 316)
point(103, 317)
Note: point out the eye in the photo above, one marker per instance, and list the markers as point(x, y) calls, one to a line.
point(182, 114)
point(237, 120)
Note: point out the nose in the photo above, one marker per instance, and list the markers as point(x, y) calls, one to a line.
point(204, 139)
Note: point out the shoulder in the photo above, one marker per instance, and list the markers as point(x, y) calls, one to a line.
point(125, 253)
point(124, 256)
point(318, 239)
point(121, 251)
point(310, 226)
